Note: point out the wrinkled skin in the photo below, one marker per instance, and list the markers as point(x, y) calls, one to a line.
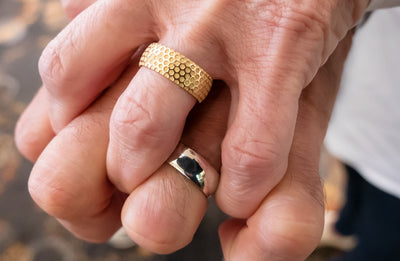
point(70, 179)
point(103, 151)
point(266, 51)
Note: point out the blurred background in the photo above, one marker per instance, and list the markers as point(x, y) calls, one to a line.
point(26, 233)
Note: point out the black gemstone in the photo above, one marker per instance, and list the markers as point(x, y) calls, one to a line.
point(191, 168)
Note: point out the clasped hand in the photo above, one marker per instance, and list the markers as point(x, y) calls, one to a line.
point(103, 127)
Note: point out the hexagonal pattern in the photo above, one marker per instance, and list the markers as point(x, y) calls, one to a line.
point(177, 68)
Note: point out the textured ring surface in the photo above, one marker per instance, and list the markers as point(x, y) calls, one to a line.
point(194, 167)
point(179, 69)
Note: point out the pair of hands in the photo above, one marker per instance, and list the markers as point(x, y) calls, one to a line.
point(103, 151)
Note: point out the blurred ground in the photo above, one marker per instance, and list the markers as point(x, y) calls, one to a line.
point(26, 233)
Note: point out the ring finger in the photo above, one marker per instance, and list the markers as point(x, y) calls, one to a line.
point(163, 213)
point(149, 117)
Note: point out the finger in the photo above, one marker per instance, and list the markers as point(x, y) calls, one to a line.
point(255, 149)
point(271, 76)
point(89, 54)
point(283, 228)
point(148, 120)
point(163, 213)
point(289, 222)
point(69, 180)
point(74, 7)
point(33, 130)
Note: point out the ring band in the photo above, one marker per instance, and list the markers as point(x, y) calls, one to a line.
point(179, 69)
point(194, 167)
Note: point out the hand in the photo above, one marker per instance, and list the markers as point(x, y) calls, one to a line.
point(266, 51)
point(70, 181)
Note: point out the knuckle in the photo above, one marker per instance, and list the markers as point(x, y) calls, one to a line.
point(313, 29)
point(307, 176)
point(290, 236)
point(135, 126)
point(242, 200)
point(51, 66)
point(54, 65)
point(313, 187)
point(287, 15)
point(290, 244)
point(86, 128)
point(295, 17)
point(27, 141)
point(160, 243)
point(254, 168)
point(297, 24)
point(305, 19)
point(51, 196)
point(176, 229)
point(252, 156)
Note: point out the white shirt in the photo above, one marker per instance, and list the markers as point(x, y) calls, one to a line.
point(365, 127)
point(376, 4)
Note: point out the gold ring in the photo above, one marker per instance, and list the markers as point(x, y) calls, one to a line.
point(179, 69)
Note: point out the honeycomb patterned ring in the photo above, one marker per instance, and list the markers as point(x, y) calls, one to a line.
point(179, 69)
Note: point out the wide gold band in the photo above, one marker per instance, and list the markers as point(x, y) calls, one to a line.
point(179, 69)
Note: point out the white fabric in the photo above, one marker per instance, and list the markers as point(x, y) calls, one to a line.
point(365, 125)
point(377, 4)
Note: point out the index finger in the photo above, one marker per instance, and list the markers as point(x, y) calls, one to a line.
point(90, 53)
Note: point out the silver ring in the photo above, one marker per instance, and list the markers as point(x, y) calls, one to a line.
point(195, 168)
